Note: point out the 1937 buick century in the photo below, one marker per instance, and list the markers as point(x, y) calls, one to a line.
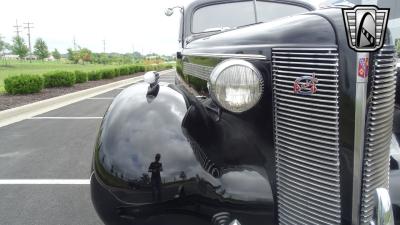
point(270, 121)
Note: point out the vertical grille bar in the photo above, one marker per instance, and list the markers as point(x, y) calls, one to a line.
point(378, 130)
point(307, 136)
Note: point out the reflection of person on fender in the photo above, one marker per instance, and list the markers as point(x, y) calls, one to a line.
point(155, 169)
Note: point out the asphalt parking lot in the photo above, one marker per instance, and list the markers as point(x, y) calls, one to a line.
point(45, 164)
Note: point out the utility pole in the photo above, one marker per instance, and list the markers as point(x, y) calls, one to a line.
point(74, 44)
point(29, 27)
point(17, 28)
point(104, 46)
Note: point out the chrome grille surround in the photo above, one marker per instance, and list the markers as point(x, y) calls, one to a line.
point(307, 136)
point(378, 129)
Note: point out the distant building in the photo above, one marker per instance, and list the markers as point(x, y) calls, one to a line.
point(10, 56)
point(31, 57)
point(50, 58)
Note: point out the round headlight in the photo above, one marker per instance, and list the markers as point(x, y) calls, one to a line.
point(236, 85)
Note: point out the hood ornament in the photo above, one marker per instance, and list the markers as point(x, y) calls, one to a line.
point(152, 78)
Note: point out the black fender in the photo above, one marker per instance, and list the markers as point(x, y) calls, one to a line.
point(200, 179)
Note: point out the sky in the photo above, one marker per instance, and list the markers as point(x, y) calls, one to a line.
point(125, 25)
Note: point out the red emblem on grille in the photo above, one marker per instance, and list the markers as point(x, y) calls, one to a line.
point(363, 67)
point(305, 85)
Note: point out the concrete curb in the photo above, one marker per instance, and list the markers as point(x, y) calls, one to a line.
point(17, 114)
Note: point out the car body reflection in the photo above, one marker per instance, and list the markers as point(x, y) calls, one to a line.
point(133, 133)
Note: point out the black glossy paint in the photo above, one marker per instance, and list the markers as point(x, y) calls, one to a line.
point(317, 29)
point(214, 162)
point(193, 6)
point(203, 174)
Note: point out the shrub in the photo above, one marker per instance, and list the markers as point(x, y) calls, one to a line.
point(131, 69)
point(140, 68)
point(23, 84)
point(94, 75)
point(81, 77)
point(117, 72)
point(108, 73)
point(158, 67)
point(59, 79)
point(124, 71)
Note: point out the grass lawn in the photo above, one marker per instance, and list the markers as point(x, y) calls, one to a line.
point(15, 67)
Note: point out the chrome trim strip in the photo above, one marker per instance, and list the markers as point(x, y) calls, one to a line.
point(222, 55)
point(305, 49)
point(359, 126)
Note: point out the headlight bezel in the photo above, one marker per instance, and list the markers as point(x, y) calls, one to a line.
point(228, 64)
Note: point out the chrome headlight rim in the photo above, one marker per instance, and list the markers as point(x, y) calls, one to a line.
point(226, 64)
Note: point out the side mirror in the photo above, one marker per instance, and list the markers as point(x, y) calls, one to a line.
point(169, 12)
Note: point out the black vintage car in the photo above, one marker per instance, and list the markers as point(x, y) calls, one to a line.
point(270, 121)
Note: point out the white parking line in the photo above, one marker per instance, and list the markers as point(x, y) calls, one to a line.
point(44, 181)
point(101, 98)
point(65, 118)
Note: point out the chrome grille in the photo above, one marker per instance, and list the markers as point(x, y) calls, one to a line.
point(199, 71)
point(307, 136)
point(378, 129)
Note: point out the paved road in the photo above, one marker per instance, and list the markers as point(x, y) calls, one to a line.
point(56, 146)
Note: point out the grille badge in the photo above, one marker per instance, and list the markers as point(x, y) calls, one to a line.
point(363, 67)
point(305, 85)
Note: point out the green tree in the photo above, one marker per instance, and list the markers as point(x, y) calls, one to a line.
point(40, 49)
point(3, 45)
point(85, 55)
point(73, 56)
point(137, 55)
point(56, 54)
point(19, 47)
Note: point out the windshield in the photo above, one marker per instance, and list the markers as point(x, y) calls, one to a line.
point(235, 14)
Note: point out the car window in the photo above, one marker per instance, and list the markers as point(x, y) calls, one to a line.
point(268, 11)
point(228, 15)
point(235, 14)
